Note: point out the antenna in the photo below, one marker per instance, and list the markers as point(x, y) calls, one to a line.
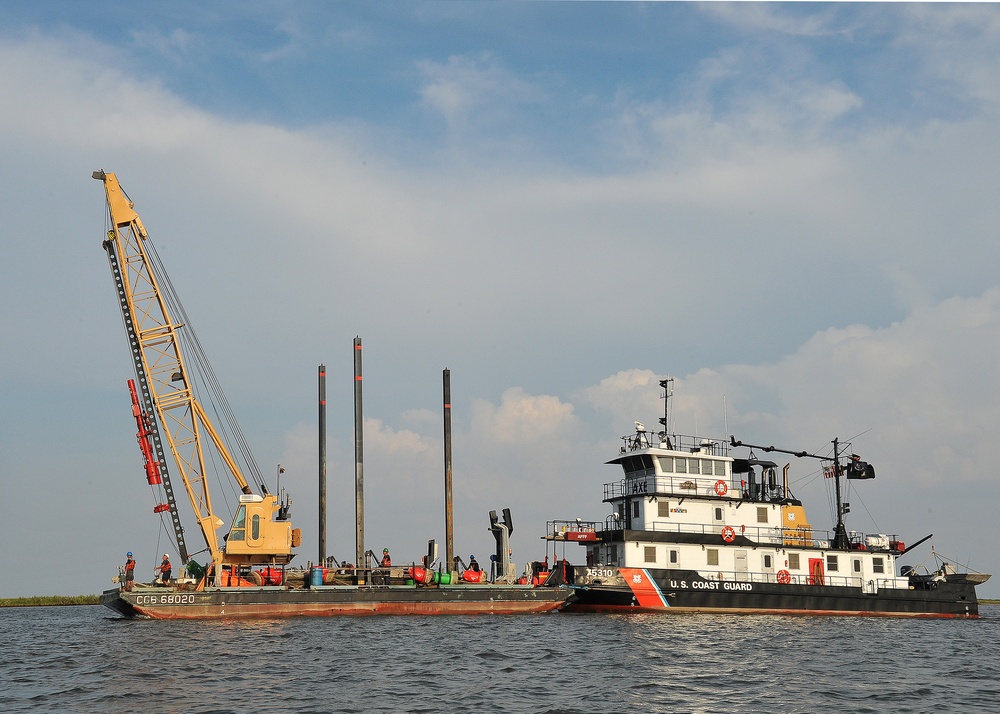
point(667, 386)
point(725, 415)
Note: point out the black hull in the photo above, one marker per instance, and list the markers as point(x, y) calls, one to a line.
point(169, 604)
point(684, 591)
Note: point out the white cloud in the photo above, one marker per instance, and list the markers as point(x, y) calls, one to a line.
point(911, 388)
point(817, 21)
point(466, 85)
point(957, 43)
point(176, 45)
point(521, 418)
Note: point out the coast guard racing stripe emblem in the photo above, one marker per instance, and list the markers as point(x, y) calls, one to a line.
point(647, 592)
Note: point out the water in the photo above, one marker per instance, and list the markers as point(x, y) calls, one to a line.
point(78, 659)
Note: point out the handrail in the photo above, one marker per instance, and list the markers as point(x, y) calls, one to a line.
point(796, 537)
point(885, 583)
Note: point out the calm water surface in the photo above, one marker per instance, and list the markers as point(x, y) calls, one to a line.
point(79, 659)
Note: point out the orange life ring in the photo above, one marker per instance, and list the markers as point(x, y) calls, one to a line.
point(728, 534)
point(721, 489)
point(784, 577)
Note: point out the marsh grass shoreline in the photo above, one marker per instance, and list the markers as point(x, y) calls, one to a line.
point(54, 600)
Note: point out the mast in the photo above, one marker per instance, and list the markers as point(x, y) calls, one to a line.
point(448, 506)
point(666, 385)
point(322, 463)
point(359, 459)
point(840, 540)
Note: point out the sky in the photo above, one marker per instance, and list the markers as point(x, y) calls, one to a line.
point(787, 208)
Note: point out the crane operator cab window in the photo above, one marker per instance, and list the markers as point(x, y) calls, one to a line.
point(239, 531)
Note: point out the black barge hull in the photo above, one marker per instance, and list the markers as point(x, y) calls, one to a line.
point(170, 604)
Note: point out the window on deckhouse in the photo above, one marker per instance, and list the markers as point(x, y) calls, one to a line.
point(239, 525)
point(638, 465)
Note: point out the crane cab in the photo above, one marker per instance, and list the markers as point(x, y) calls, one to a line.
point(257, 536)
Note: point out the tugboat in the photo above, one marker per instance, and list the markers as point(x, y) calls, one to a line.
point(695, 528)
point(246, 572)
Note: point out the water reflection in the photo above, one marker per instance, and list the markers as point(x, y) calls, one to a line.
point(75, 659)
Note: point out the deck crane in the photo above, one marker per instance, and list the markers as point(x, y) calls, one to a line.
point(261, 532)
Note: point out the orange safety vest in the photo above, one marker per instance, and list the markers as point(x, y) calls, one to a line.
point(386, 561)
point(164, 566)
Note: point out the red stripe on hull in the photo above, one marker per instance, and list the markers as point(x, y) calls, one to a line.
point(204, 612)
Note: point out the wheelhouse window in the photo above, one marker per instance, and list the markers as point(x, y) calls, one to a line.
point(712, 555)
point(638, 465)
point(666, 464)
point(650, 553)
point(239, 530)
point(720, 468)
point(831, 563)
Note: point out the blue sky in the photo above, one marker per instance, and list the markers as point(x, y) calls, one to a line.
point(787, 207)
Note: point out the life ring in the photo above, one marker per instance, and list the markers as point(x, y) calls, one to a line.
point(721, 489)
point(728, 534)
point(784, 577)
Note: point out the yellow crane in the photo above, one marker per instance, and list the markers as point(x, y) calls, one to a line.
point(260, 532)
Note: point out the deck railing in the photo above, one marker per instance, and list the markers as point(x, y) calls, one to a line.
point(675, 442)
point(676, 485)
point(887, 582)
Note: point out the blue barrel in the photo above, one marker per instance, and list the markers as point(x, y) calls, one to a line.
point(316, 576)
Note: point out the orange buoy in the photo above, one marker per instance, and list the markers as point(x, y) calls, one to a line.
point(728, 534)
point(721, 488)
point(421, 575)
point(784, 577)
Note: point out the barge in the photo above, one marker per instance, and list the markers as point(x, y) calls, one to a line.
point(246, 572)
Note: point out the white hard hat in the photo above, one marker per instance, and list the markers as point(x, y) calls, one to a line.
point(165, 555)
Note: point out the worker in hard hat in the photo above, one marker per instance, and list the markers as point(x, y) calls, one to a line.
point(129, 570)
point(165, 569)
point(386, 561)
point(474, 564)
